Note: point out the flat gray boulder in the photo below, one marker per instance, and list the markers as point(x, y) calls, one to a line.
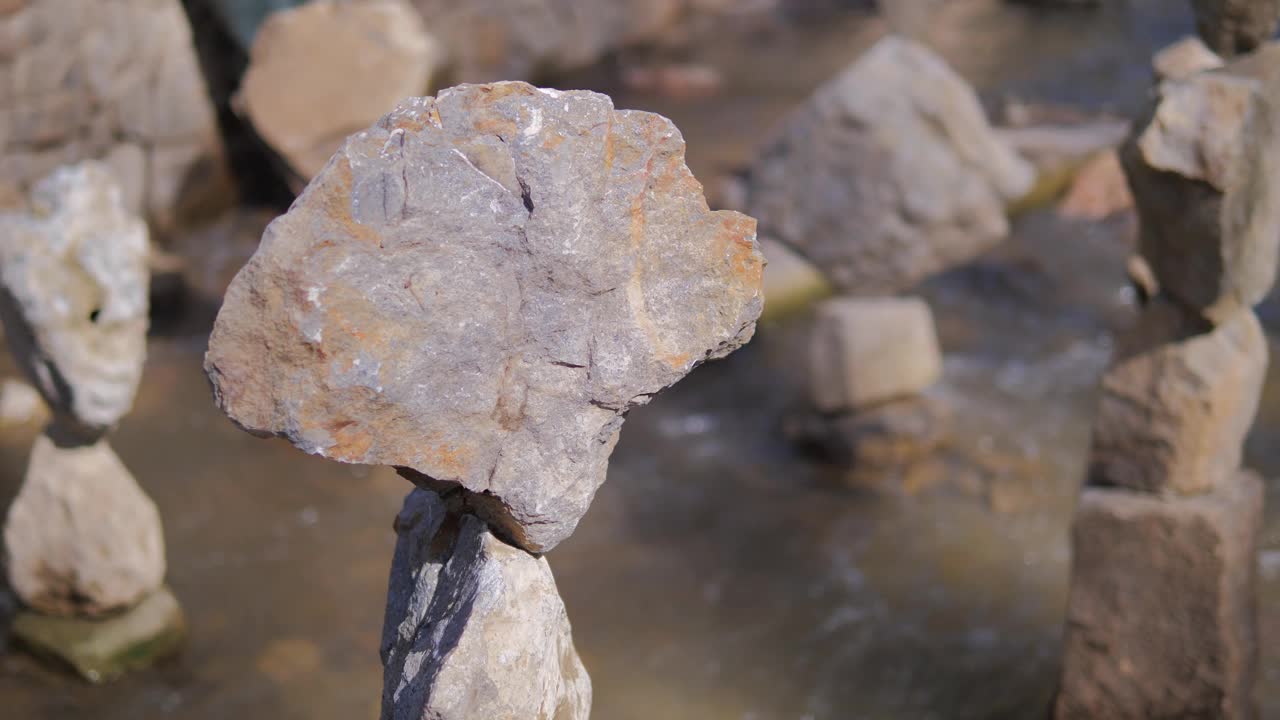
point(477, 288)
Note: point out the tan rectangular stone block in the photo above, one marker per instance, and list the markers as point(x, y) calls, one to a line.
point(1161, 616)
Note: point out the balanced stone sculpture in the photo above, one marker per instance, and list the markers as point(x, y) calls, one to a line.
point(475, 290)
point(83, 543)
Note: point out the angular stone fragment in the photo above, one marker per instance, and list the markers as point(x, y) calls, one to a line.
point(105, 79)
point(81, 537)
point(868, 350)
point(474, 627)
point(73, 296)
point(889, 173)
point(1183, 59)
point(1178, 401)
point(377, 52)
point(882, 437)
point(477, 288)
point(1203, 165)
point(1161, 615)
point(1231, 27)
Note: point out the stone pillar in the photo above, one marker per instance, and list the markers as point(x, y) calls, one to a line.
point(1161, 616)
point(475, 290)
point(83, 543)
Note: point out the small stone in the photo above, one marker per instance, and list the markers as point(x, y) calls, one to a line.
point(1161, 614)
point(889, 173)
point(477, 288)
point(1231, 27)
point(866, 351)
point(104, 649)
point(886, 436)
point(1202, 165)
point(82, 538)
point(1178, 402)
point(1189, 56)
point(20, 404)
point(1098, 191)
point(790, 281)
point(378, 52)
point(74, 279)
point(475, 628)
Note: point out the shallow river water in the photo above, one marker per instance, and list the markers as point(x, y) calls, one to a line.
point(719, 575)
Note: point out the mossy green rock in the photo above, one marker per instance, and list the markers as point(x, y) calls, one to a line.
point(104, 649)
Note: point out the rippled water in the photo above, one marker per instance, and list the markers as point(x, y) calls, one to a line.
point(719, 576)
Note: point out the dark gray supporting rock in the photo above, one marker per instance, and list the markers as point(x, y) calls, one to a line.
point(1161, 616)
point(1232, 27)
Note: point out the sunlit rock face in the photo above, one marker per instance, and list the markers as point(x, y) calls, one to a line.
point(477, 288)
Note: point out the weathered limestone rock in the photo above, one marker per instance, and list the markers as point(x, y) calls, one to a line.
point(377, 52)
point(1178, 401)
point(889, 174)
point(81, 537)
point(110, 79)
point(1162, 610)
point(101, 650)
point(865, 351)
point(1202, 166)
point(885, 436)
point(73, 296)
point(790, 281)
point(1231, 27)
point(477, 288)
point(474, 628)
point(1189, 56)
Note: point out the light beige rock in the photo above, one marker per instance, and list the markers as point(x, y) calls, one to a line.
point(1183, 59)
point(322, 71)
point(82, 538)
point(790, 281)
point(1178, 401)
point(865, 351)
point(73, 296)
point(1099, 189)
point(20, 404)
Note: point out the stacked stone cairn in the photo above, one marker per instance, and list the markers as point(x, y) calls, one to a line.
point(83, 544)
point(475, 290)
point(1161, 614)
point(888, 175)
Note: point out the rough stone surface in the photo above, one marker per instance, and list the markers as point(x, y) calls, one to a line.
point(1202, 165)
point(888, 174)
point(108, 79)
point(865, 351)
point(104, 649)
point(378, 52)
point(1183, 59)
point(1177, 403)
point(477, 288)
point(1236, 26)
point(886, 436)
point(73, 295)
point(1161, 615)
point(81, 537)
point(474, 628)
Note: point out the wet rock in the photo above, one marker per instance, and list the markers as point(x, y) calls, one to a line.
point(1201, 165)
point(102, 650)
point(891, 435)
point(1231, 27)
point(888, 174)
point(74, 297)
point(477, 288)
point(1098, 191)
point(377, 52)
point(474, 627)
point(1177, 403)
point(82, 538)
point(790, 281)
point(865, 351)
point(1189, 56)
point(1161, 615)
point(112, 79)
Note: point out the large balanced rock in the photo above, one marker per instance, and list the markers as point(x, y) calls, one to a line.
point(378, 52)
point(474, 628)
point(1161, 619)
point(1177, 403)
point(82, 539)
point(888, 174)
point(115, 80)
point(866, 351)
point(73, 295)
point(1203, 165)
point(477, 288)
point(1236, 26)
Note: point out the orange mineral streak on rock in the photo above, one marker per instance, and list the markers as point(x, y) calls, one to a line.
point(739, 247)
